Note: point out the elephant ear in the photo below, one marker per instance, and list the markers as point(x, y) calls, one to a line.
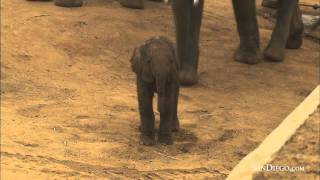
point(136, 61)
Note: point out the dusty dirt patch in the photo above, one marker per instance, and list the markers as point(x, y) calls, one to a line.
point(69, 106)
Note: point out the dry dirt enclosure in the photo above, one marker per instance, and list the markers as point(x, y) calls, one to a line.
point(69, 109)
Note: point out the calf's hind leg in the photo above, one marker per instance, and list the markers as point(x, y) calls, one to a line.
point(145, 98)
point(175, 119)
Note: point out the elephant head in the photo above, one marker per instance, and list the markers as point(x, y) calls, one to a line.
point(155, 61)
point(141, 65)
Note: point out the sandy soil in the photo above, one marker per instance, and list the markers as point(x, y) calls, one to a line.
point(301, 151)
point(69, 109)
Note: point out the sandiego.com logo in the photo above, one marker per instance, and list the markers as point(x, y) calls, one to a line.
point(277, 168)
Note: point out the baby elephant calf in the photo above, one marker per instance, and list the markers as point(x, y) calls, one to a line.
point(156, 67)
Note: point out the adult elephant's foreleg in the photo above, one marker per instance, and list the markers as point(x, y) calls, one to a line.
point(247, 24)
point(166, 114)
point(192, 61)
point(188, 19)
point(276, 49)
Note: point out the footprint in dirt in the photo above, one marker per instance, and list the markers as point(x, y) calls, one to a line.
point(90, 124)
point(23, 56)
point(302, 92)
point(10, 88)
point(27, 144)
point(227, 135)
point(123, 108)
point(32, 112)
point(185, 140)
point(184, 135)
point(185, 97)
point(62, 94)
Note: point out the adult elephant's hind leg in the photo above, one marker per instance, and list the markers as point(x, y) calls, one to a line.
point(296, 30)
point(276, 49)
point(188, 23)
point(249, 49)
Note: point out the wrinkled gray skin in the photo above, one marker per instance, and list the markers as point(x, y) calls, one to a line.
point(287, 33)
point(156, 68)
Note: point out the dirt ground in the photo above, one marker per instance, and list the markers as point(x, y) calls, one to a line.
point(69, 109)
point(301, 151)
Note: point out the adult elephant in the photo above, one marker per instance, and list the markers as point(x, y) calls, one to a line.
point(287, 33)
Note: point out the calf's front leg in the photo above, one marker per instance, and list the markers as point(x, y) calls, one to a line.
point(145, 98)
point(166, 117)
point(168, 105)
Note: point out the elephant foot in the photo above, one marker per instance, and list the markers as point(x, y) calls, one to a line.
point(165, 138)
point(188, 78)
point(295, 39)
point(68, 3)
point(148, 140)
point(294, 42)
point(274, 54)
point(134, 4)
point(247, 56)
point(175, 126)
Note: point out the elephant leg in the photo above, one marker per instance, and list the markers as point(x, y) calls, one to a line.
point(175, 119)
point(247, 24)
point(165, 132)
point(296, 30)
point(145, 98)
point(276, 48)
point(188, 20)
point(270, 3)
point(166, 117)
